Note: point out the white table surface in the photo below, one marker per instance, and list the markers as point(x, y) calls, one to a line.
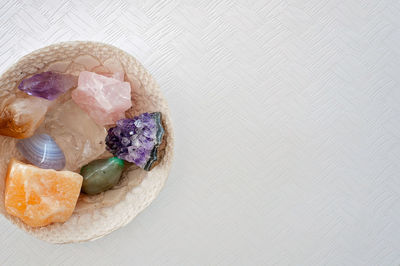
point(286, 116)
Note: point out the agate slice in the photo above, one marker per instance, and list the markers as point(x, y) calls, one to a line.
point(101, 175)
point(20, 118)
point(42, 151)
point(104, 99)
point(48, 85)
point(40, 196)
point(81, 139)
point(137, 140)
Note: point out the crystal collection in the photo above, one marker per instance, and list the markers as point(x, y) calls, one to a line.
point(61, 140)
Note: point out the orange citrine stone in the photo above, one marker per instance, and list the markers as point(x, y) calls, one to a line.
point(20, 118)
point(40, 196)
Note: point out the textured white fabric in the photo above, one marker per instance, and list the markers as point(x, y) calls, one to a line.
point(286, 118)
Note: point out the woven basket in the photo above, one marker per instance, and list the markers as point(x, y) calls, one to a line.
point(99, 215)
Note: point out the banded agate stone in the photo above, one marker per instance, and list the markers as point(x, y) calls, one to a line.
point(42, 151)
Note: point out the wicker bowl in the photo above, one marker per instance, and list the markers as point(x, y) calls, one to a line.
point(94, 216)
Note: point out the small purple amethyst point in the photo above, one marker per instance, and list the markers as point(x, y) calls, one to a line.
point(137, 140)
point(48, 85)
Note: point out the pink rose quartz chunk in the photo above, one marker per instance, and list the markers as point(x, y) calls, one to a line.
point(105, 99)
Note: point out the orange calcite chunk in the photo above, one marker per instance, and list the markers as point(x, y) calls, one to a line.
point(40, 196)
point(20, 118)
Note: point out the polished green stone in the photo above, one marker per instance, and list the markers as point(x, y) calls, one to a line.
point(101, 175)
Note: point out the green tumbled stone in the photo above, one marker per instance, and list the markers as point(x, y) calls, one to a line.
point(101, 175)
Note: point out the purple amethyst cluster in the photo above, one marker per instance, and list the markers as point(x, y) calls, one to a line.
point(137, 140)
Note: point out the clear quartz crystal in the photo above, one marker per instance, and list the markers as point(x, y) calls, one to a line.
point(80, 138)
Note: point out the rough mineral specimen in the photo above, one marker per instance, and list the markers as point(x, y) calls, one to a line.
point(48, 85)
point(81, 139)
point(104, 99)
point(137, 140)
point(21, 117)
point(40, 196)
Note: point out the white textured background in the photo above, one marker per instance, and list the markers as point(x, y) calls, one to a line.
point(287, 129)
